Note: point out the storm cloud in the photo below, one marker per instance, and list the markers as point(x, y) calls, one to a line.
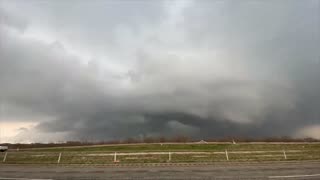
point(103, 70)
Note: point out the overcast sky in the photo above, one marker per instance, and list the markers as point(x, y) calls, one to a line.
point(107, 69)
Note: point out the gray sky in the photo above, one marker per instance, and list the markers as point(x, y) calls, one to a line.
point(107, 69)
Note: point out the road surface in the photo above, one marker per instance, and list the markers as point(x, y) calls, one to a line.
point(270, 170)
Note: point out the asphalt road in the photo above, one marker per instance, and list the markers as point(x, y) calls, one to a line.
point(270, 170)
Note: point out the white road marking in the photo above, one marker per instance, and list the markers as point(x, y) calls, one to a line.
point(294, 176)
point(22, 179)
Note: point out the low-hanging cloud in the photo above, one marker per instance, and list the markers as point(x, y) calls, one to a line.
point(109, 70)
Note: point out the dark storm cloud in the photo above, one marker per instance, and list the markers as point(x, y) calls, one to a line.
point(109, 70)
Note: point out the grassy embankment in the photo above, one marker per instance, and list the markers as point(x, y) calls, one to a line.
point(198, 153)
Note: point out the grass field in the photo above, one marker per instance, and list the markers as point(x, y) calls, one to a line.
point(164, 153)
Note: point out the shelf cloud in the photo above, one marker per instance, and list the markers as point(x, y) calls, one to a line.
point(104, 70)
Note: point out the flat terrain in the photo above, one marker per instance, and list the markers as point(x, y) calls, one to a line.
point(266, 170)
point(184, 147)
point(165, 161)
point(164, 153)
